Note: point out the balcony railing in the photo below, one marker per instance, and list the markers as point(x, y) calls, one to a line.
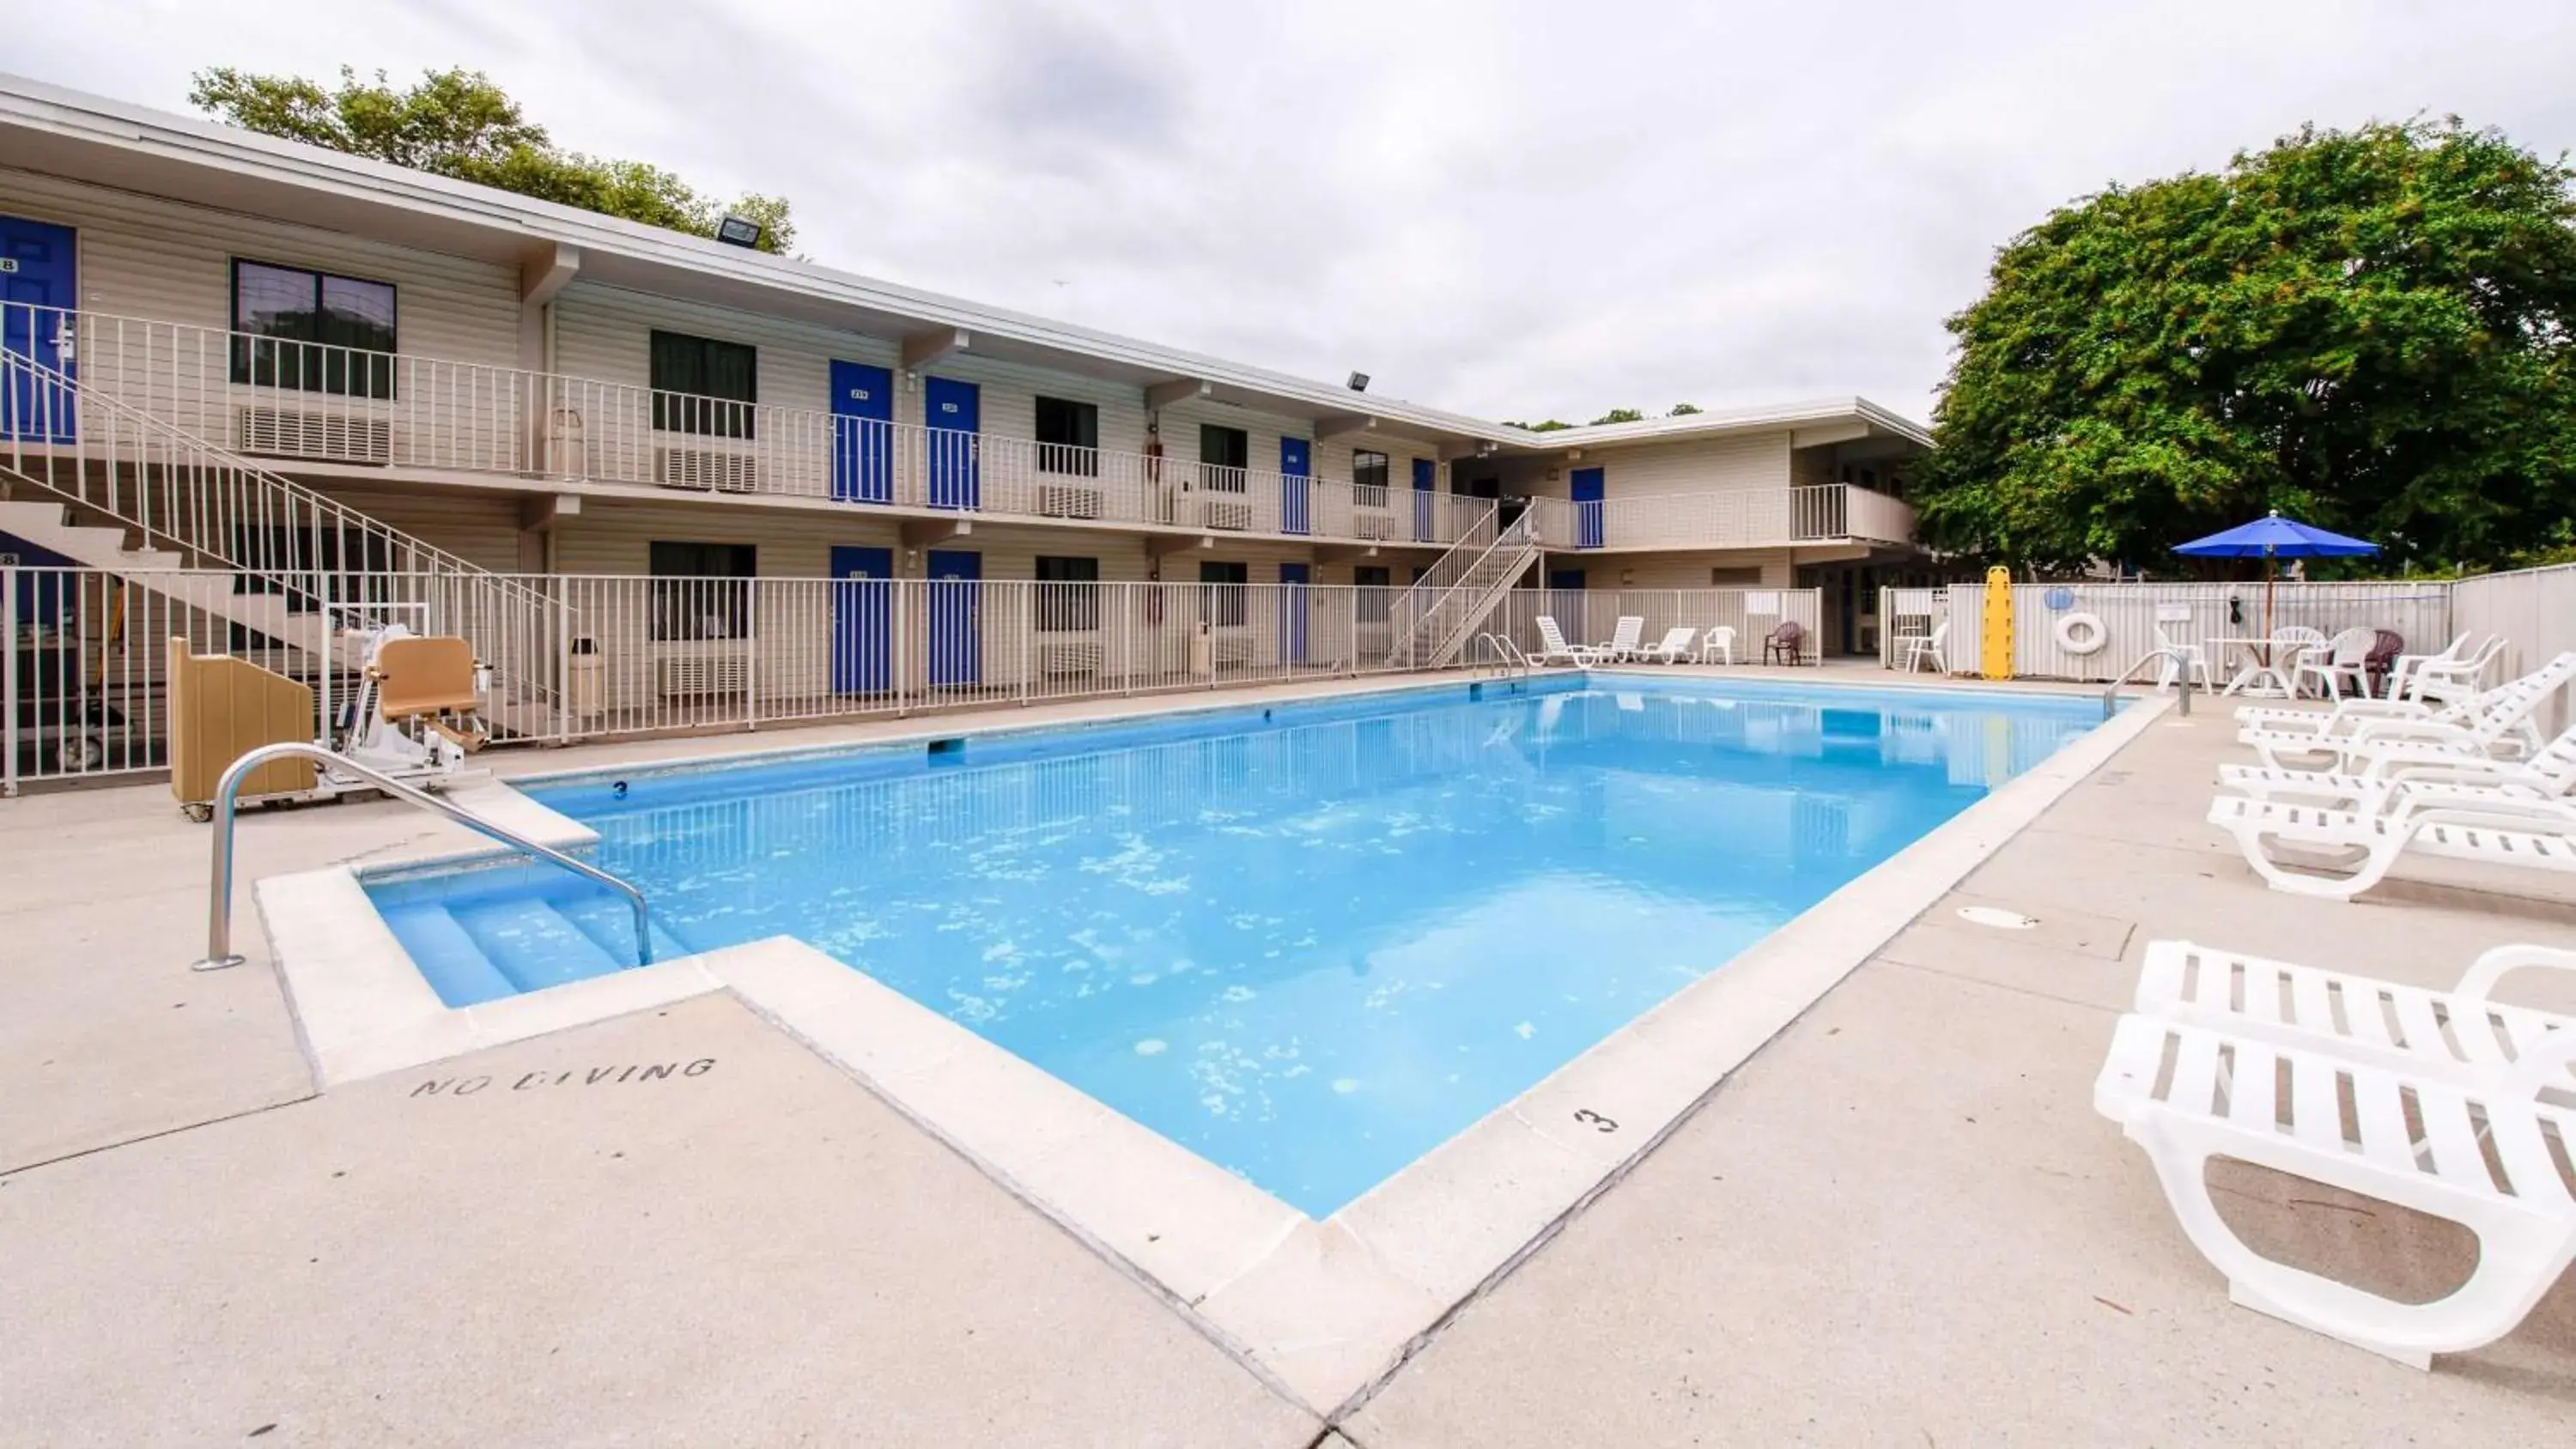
point(277, 398)
point(1726, 518)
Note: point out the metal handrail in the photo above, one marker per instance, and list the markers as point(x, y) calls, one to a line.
point(1508, 653)
point(219, 906)
point(2182, 664)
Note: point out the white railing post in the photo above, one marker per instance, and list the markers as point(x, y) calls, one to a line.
point(9, 682)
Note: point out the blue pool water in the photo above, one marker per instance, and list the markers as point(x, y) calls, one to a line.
point(1309, 943)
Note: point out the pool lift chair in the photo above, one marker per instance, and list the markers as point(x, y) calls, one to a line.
point(418, 714)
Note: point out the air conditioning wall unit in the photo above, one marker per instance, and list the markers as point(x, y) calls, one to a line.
point(706, 469)
point(1234, 516)
point(1231, 646)
point(1373, 525)
point(311, 433)
point(1066, 500)
point(1067, 658)
point(694, 676)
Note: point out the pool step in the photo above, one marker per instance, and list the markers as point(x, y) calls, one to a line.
point(448, 956)
point(610, 924)
point(533, 944)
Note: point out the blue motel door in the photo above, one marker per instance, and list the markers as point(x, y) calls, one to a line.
point(954, 413)
point(1587, 507)
point(862, 620)
point(862, 434)
point(1296, 458)
point(1425, 500)
point(36, 315)
point(1293, 578)
point(956, 609)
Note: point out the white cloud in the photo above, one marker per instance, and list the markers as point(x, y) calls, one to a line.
point(1518, 209)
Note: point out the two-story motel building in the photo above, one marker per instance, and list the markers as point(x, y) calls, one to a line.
point(522, 388)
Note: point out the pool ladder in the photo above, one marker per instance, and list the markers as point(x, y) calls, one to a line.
point(219, 904)
point(1508, 658)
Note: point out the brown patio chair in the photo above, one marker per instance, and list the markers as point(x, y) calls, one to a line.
point(1783, 644)
point(2383, 657)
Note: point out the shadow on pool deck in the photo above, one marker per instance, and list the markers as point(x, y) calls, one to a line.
point(1901, 1222)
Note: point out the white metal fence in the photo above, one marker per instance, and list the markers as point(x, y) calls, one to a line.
point(1591, 616)
point(2535, 611)
point(2132, 613)
point(623, 655)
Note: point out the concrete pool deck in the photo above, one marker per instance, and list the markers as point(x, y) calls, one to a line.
point(1900, 1220)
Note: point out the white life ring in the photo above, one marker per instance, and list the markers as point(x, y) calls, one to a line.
point(2080, 633)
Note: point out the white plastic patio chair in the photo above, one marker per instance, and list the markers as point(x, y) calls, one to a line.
point(1554, 650)
point(2401, 670)
point(1674, 646)
point(2192, 667)
point(1928, 647)
point(2462, 1035)
point(1623, 640)
point(2436, 682)
point(2282, 1107)
point(2292, 644)
point(1719, 641)
point(2484, 828)
point(2340, 661)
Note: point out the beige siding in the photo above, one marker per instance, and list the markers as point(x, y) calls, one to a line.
point(1707, 465)
point(481, 528)
point(605, 333)
point(163, 261)
point(1676, 570)
point(1812, 467)
point(1181, 423)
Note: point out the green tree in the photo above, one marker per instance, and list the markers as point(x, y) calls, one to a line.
point(458, 123)
point(2373, 330)
point(1552, 425)
point(1683, 410)
point(1619, 415)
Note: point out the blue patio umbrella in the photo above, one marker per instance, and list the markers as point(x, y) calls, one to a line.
point(2274, 537)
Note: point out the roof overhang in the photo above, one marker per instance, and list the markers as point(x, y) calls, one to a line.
point(1815, 423)
point(92, 139)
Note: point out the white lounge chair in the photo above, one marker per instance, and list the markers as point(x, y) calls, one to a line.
point(2282, 1107)
point(2344, 659)
point(1674, 646)
point(1928, 647)
point(1623, 640)
point(2398, 766)
point(2498, 722)
point(2483, 828)
point(1719, 641)
point(1552, 648)
point(2461, 1036)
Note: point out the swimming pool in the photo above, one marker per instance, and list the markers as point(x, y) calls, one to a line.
point(1307, 942)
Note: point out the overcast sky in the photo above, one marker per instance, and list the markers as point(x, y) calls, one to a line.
point(1515, 210)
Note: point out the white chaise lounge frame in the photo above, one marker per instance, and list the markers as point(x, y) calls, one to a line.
point(2186, 1094)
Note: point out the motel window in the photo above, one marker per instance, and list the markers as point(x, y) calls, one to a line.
point(1068, 595)
point(1223, 455)
point(1068, 437)
point(1222, 592)
point(312, 331)
point(1735, 578)
point(1376, 585)
point(704, 386)
point(1368, 479)
point(702, 590)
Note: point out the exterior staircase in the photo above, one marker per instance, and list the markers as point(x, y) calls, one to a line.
point(110, 487)
point(1437, 616)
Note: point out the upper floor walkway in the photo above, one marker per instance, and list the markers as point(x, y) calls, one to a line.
point(343, 411)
